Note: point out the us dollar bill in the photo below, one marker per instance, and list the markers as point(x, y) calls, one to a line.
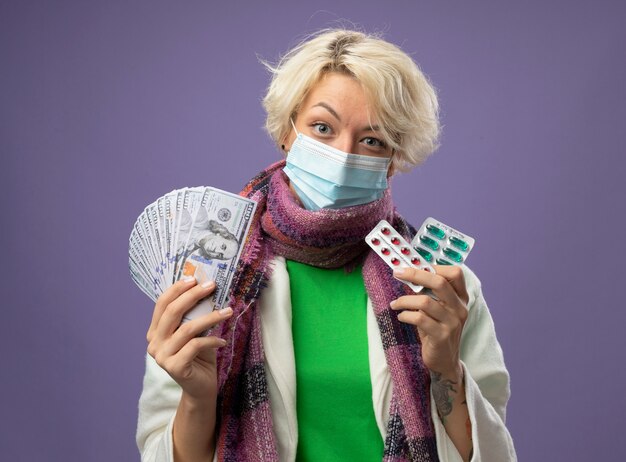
point(195, 232)
point(214, 244)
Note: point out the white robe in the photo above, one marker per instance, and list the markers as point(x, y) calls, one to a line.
point(486, 382)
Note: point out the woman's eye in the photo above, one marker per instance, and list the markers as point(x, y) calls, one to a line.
point(321, 128)
point(373, 142)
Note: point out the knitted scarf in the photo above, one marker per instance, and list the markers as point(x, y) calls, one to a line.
point(327, 239)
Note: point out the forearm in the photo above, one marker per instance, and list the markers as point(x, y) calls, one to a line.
point(449, 393)
point(193, 433)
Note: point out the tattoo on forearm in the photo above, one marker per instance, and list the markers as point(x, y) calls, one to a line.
point(441, 393)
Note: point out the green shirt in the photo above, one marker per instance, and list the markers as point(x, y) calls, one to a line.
point(336, 419)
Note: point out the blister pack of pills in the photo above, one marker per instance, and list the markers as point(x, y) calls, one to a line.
point(440, 244)
point(396, 251)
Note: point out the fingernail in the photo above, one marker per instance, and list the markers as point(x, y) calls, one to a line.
point(207, 284)
point(222, 342)
point(399, 272)
point(225, 311)
point(188, 279)
point(393, 304)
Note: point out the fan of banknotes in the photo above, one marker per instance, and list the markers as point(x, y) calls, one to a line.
point(190, 232)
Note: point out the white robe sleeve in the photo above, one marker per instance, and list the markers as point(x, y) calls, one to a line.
point(486, 386)
point(157, 408)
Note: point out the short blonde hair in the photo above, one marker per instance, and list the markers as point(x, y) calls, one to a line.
point(404, 102)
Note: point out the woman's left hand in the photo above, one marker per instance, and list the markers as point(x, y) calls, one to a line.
point(439, 322)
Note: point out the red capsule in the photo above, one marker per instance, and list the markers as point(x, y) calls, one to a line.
point(375, 241)
point(385, 251)
point(395, 261)
point(385, 231)
point(395, 241)
point(415, 261)
point(405, 250)
point(426, 268)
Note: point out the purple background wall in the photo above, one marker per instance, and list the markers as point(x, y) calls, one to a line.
point(104, 106)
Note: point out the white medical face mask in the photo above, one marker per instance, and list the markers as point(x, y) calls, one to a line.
point(327, 178)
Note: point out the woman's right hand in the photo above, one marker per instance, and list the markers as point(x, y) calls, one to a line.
point(189, 359)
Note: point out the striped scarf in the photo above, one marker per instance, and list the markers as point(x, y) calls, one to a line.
point(327, 239)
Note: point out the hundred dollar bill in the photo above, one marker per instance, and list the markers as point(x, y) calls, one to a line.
point(190, 232)
point(185, 220)
point(167, 206)
point(213, 245)
point(155, 236)
point(176, 218)
point(141, 274)
point(141, 281)
point(141, 243)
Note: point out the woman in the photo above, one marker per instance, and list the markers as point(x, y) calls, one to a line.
point(380, 372)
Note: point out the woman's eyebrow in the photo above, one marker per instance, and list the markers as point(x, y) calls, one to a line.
point(373, 128)
point(329, 109)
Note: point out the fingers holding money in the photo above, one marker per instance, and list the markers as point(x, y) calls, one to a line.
point(188, 332)
point(180, 366)
point(181, 349)
point(171, 294)
point(166, 335)
point(189, 357)
point(171, 306)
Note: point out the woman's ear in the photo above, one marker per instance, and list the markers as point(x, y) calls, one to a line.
point(287, 140)
point(284, 144)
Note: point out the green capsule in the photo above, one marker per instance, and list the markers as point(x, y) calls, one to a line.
point(437, 232)
point(453, 255)
point(441, 261)
point(429, 242)
point(426, 255)
point(459, 243)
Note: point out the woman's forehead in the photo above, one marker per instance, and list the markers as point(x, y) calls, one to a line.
point(341, 96)
point(336, 86)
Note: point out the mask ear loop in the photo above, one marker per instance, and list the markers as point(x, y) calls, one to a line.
point(294, 126)
point(282, 146)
